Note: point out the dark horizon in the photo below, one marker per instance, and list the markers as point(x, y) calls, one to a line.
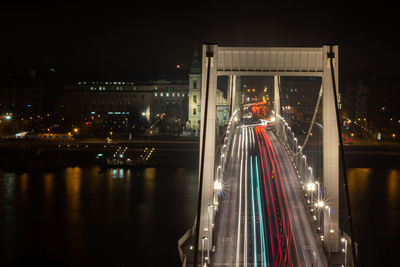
point(128, 42)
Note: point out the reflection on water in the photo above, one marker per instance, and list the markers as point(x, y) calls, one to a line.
point(73, 181)
point(85, 217)
point(374, 195)
point(48, 185)
point(81, 216)
point(23, 185)
point(393, 188)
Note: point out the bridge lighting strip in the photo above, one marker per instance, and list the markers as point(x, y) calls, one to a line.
point(233, 146)
point(240, 199)
point(240, 141)
point(253, 211)
point(264, 258)
point(245, 197)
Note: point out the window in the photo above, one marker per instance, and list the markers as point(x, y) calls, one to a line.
point(194, 84)
point(155, 94)
point(194, 111)
point(195, 99)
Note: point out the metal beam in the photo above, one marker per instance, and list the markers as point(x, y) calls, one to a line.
point(270, 73)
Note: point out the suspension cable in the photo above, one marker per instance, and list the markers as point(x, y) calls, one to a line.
point(346, 187)
point(311, 125)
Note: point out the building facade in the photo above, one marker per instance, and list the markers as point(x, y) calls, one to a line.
point(122, 101)
point(194, 103)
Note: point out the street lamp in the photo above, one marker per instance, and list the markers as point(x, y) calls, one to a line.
point(329, 226)
point(207, 258)
point(311, 176)
point(311, 181)
point(345, 251)
point(311, 189)
point(305, 164)
point(298, 156)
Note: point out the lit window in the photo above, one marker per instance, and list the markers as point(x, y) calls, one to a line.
point(183, 94)
point(179, 94)
point(155, 94)
point(173, 94)
point(167, 94)
point(161, 94)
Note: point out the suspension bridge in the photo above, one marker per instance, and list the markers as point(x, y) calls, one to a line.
point(271, 191)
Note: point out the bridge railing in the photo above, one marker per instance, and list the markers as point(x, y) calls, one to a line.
point(208, 246)
point(305, 151)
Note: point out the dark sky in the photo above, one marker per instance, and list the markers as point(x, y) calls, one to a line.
point(116, 41)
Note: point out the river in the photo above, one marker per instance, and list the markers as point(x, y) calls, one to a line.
point(80, 216)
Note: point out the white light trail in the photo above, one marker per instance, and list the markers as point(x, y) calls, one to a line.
point(245, 203)
point(240, 200)
point(233, 146)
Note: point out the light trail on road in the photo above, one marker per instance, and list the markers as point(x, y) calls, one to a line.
point(263, 212)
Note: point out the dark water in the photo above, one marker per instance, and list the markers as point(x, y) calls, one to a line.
point(80, 217)
point(375, 200)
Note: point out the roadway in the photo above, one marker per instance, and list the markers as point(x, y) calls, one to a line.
point(262, 220)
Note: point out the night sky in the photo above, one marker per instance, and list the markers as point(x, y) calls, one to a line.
point(121, 42)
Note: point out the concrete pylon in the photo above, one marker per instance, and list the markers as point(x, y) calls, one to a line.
point(233, 93)
point(207, 137)
point(330, 151)
point(277, 104)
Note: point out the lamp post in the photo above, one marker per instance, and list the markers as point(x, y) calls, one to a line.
point(303, 169)
point(207, 257)
point(298, 156)
point(8, 117)
point(311, 179)
point(76, 131)
point(319, 203)
point(329, 227)
point(345, 251)
point(311, 189)
point(210, 216)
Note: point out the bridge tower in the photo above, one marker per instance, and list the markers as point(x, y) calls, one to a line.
point(267, 61)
